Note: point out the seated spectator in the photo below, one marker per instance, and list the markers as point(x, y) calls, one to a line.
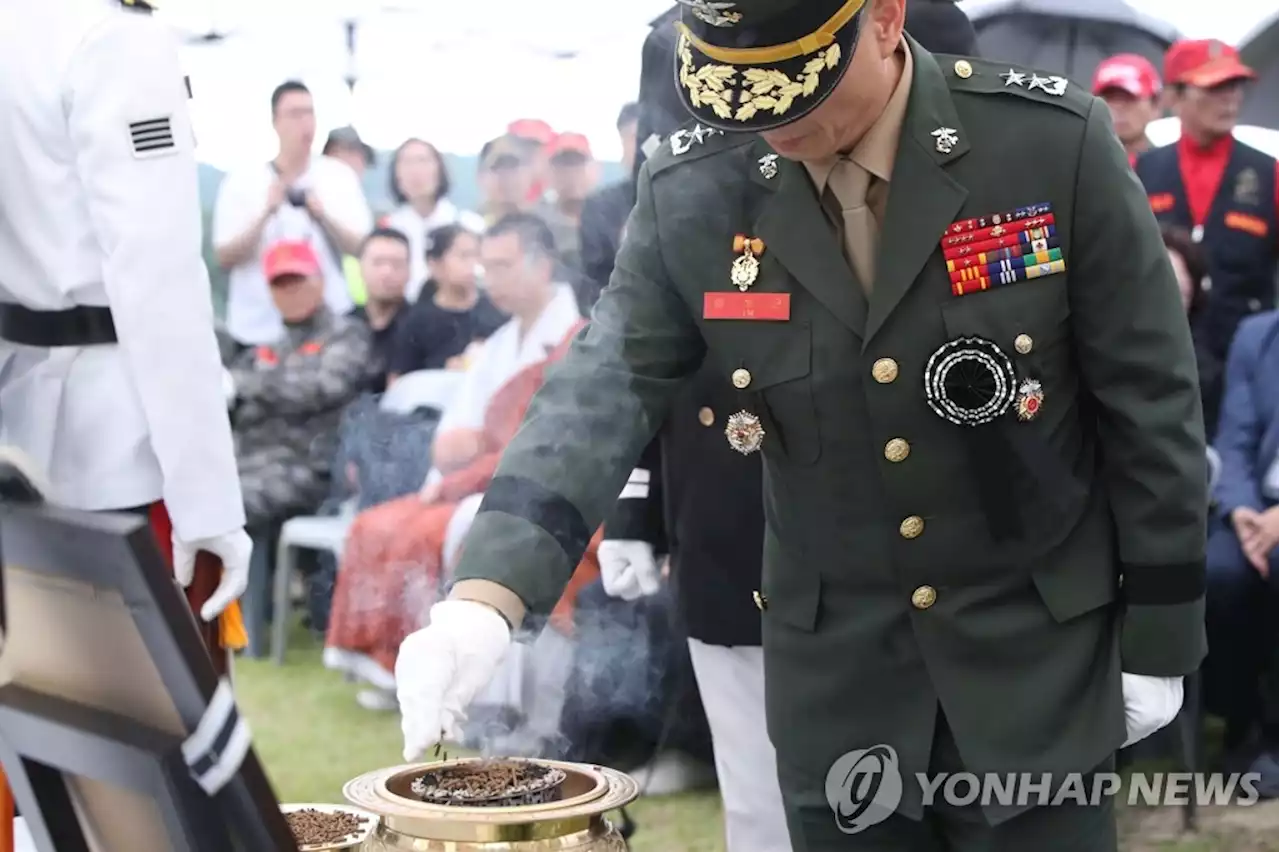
point(1190, 269)
point(452, 314)
point(288, 396)
point(384, 268)
point(1241, 611)
point(420, 186)
point(391, 566)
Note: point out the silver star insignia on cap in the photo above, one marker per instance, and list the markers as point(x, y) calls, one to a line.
point(945, 139)
point(1013, 78)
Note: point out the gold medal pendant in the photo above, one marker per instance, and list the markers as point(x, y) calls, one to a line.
point(746, 267)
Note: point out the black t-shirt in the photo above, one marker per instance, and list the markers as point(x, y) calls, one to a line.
point(429, 335)
point(381, 347)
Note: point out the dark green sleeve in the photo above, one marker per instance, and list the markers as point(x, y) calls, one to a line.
point(1135, 354)
point(588, 424)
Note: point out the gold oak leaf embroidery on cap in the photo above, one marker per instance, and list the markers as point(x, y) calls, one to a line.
point(763, 89)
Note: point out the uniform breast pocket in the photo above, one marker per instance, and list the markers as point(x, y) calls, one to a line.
point(771, 367)
point(1027, 320)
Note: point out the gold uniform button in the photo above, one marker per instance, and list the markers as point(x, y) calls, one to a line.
point(762, 602)
point(897, 450)
point(911, 527)
point(884, 370)
point(1023, 343)
point(706, 416)
point(923, 597)
point(741, 378)
point(963, 69)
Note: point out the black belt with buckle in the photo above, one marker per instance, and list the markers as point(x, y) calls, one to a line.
point(83, 325)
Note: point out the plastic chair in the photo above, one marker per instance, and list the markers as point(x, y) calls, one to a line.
point(310, 532)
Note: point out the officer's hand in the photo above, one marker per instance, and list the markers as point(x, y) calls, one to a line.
point(276, 194)
point(1150, 703)
point(628, 569)
point(234, 549)
point(441, 667)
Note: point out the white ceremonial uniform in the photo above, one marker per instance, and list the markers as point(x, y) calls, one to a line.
point(99, 207)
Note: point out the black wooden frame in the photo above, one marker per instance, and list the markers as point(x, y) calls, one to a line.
point(43, 737)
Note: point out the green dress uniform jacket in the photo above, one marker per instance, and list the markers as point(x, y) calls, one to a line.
point(887, 594)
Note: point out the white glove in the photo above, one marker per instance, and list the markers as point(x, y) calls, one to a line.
point(234, 549)
point(1150, 703)
point(442, 667)
point(228, 387)
point(628, 569)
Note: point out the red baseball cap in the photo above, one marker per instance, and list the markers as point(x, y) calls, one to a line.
point(531, 128)
point(1129, 73)
point(1204, 63)
point(290, 257)
point(569, 143)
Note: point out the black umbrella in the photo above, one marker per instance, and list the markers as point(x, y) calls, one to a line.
point(1067, 37)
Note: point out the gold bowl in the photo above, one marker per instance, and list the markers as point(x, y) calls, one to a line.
point(575, 821)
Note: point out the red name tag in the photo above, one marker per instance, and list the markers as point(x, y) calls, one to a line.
point(746, 306)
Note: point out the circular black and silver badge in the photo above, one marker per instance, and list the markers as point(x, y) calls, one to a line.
point(970, 382)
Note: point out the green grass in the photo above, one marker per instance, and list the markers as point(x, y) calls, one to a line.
point(313, 738)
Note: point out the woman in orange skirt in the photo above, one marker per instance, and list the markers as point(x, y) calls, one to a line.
point(391, 569)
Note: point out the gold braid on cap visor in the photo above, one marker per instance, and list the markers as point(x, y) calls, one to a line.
point(714, 85)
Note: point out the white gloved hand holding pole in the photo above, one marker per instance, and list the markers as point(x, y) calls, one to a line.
point(234, 549)
point(442, 667)
point(628, 569)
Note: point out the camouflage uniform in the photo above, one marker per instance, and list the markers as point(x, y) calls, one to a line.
point(290, 398)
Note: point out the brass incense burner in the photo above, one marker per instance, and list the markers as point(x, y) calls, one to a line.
point(570, 819)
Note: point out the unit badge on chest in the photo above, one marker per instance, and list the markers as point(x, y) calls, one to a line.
point(1246, 188)
point(745, 433)
point(746, 266)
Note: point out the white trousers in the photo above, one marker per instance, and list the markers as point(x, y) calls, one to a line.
point(731, 681)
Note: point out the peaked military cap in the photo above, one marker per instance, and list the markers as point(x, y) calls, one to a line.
point(753, 65)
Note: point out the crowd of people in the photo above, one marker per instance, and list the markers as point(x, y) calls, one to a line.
point(330, 304)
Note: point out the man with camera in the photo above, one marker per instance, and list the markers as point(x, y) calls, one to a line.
point(296, 196)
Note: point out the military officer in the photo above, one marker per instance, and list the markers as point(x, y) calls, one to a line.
point(110, 377)
point(946, 311)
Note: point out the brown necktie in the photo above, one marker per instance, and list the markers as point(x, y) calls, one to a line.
point(849, 182)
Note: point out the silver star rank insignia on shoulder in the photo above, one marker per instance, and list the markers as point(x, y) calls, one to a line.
point(1053, 85)
point(682, 140)
point(1013, 78)
point(769, 166)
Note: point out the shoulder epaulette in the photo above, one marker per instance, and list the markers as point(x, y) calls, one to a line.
point(966, 74)
point(691, 142)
